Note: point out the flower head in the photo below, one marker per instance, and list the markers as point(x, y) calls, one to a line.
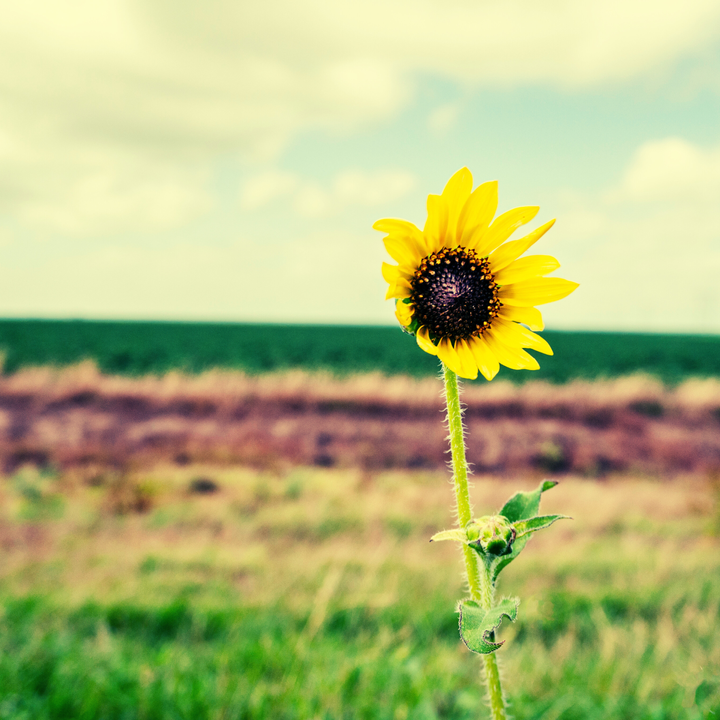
point(462, 289)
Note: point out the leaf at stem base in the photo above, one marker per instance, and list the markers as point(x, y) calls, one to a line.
point(477, 626)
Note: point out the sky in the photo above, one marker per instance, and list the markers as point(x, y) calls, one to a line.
point(225, 160)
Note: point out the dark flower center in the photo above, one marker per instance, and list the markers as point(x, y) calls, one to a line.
point(454, 294)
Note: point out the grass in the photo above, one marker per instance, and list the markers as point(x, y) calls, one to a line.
point(137, 348)
point(315, 594)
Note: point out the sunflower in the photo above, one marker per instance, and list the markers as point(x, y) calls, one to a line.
point(462, 290)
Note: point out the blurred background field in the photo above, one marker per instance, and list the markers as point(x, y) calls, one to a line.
point(137, 348)
point(203, 592)
point(232, 543)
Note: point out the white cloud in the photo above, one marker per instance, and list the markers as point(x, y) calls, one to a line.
point(266, 187)
point(308, 198)
point(646, 252)
point(673, 169)
point(245, 280)
point(372, 189)
point(112, 112)
point(312, 201)
point(444, 118)
point(118, 198)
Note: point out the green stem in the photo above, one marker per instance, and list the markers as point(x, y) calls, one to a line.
point(478, 576)
point(495, 693)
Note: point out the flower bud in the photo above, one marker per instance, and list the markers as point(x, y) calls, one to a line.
point(491, 535)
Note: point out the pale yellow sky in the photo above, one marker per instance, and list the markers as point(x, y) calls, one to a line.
point(225, 160)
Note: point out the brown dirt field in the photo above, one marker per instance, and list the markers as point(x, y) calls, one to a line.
point(78, 418)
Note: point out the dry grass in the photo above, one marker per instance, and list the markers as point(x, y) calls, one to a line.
point(79, 418)
point(263, 536)
point(326, 574)
point(291, 513)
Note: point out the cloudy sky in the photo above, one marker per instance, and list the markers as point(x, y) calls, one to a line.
point(225, 160)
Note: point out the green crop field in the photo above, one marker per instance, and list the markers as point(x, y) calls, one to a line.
point(315, 594)
point(138, 348)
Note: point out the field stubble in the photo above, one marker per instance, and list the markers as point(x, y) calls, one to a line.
point(252, 594)
point(77, 418)
point(168, 550)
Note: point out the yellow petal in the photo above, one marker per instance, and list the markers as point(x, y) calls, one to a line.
point(449, 356)
point(390, 273)
point(458, 187)
point(513, 334)
point(510, 251)
point(399, 289)
point(393, 226)
point(477, 213)
point(530, 316)
point(424, 342)
point(484, 358)
point(403, 313)
point(402, 250)
point(525, 268)
point(502, 228)
point(513, 357)
point(467, 360)
point(455, 194)
point(535, 292)
point(436, 223)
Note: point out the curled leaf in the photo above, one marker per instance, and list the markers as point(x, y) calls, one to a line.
point(477, 626)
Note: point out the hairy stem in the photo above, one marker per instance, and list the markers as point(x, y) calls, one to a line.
point(495, 693)
point(478, 578)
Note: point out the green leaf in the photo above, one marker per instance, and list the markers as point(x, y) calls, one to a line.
point(457, 535)
point(540, 522)
point(521, 506)
point(477, 626)
point(525, 505)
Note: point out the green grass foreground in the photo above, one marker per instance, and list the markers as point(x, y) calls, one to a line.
point(316, 595)
point(137, 348)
